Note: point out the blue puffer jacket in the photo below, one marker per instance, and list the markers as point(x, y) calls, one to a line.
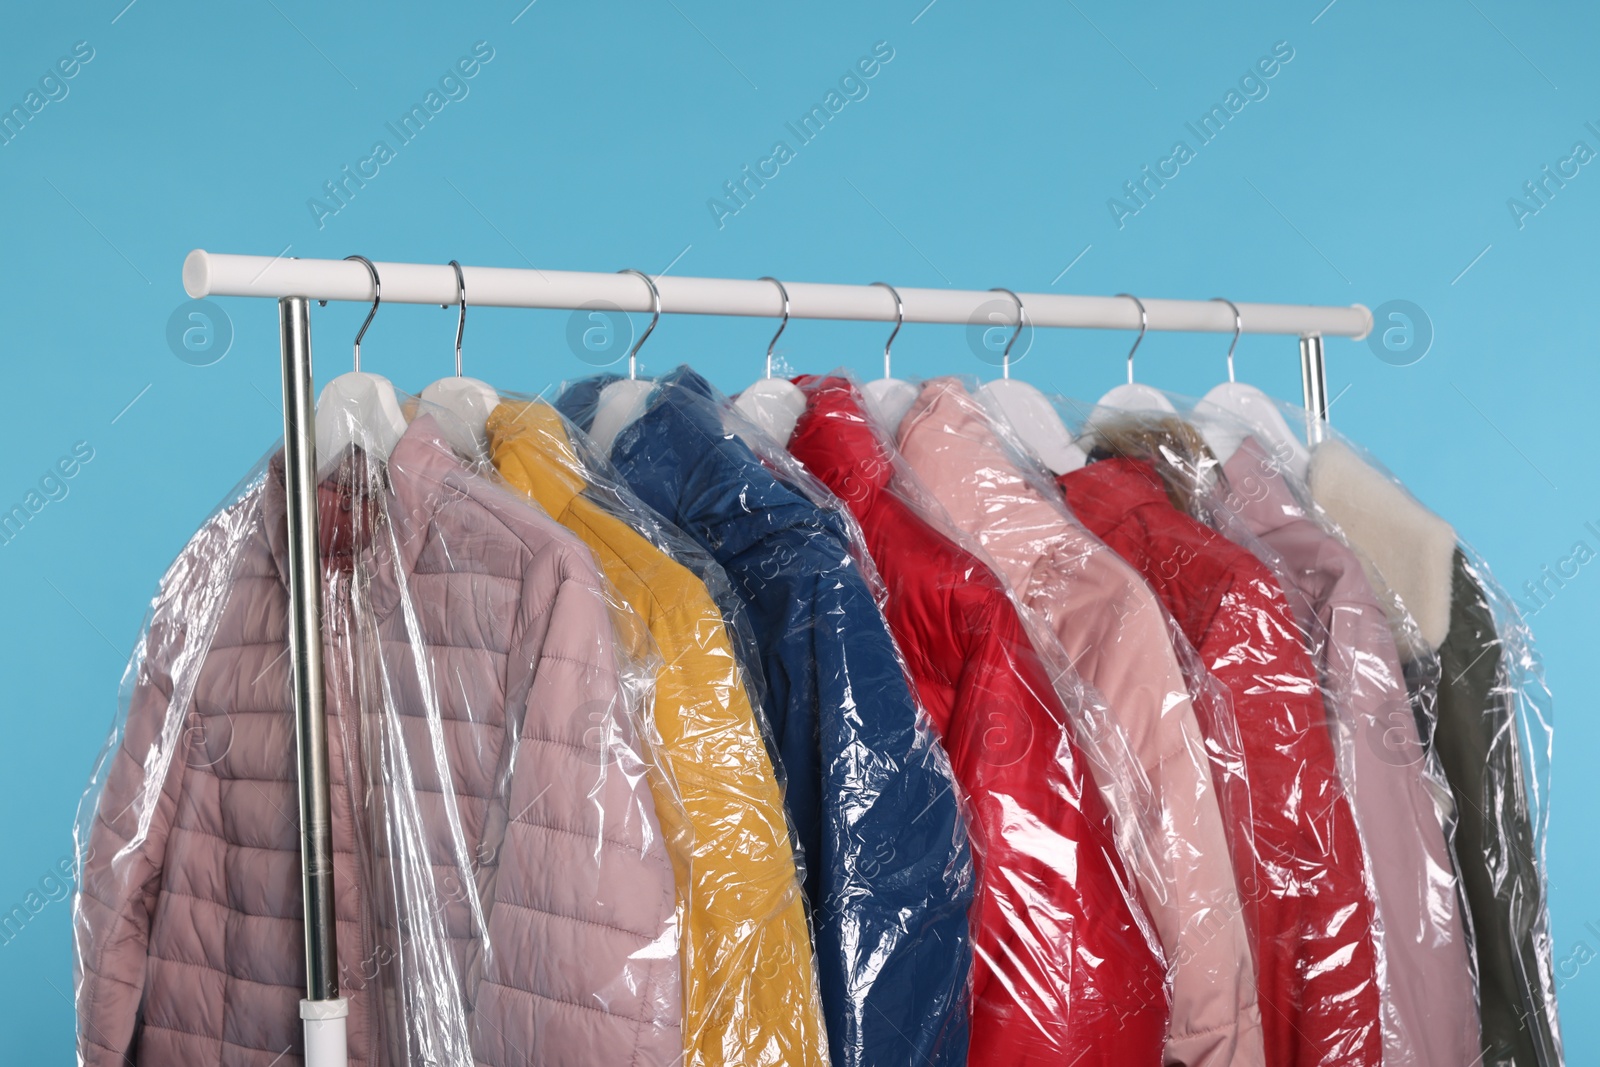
point(888, 867)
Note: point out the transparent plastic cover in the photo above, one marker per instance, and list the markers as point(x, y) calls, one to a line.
point(503, 872)
point(749, 975)
point(1146, 492)
point(1397, 789)
point(1118, 636)
point(888, 867)
point(1070, 968)
point(1489, 727)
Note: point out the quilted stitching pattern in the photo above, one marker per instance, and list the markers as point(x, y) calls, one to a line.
point(194, 938)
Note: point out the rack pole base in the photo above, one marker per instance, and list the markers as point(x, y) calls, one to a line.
point(324, 1022)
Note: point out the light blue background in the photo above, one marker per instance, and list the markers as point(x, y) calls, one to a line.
point(1377, 168)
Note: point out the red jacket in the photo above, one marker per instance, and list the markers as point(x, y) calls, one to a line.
point(1315, 945)
point(1065, 972)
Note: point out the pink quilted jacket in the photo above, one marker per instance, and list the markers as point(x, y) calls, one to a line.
point(468, 645)
point(1429, 1001)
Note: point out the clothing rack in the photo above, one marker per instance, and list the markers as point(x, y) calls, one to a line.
point(294, 283)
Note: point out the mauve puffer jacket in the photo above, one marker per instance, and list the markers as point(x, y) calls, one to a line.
point(1430, 1008)
point(539, 870)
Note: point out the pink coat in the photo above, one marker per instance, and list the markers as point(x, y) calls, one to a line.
point(1114, 631)
point(1431, 1013)
point(477, 727)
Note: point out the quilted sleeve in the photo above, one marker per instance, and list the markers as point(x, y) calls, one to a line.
point(751, 984)
point(129, 807)
point(120, 869)
point(584, 964)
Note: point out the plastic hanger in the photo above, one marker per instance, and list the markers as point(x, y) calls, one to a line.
point(469, 400)
point(359, 408)
point(1025, 411)
point(889, 398)
point(624, 400)
point(773, 404)
point(1251, 412)
point(1124, 398)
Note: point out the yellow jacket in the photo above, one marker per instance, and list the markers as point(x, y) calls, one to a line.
point(749, 981)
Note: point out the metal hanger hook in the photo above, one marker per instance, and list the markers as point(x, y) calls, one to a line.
point(461, 320)
point(1144, 324)
point(1238, 328)
point(377, 298)
point(782, 325)
point(899, 321)
point(655, 317)
point(1022, 319)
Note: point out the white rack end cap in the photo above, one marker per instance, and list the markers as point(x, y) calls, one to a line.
point(1366, 313)
point(197, 274)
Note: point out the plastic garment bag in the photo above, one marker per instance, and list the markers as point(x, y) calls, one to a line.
point(1490, 729)
point(749, 977)
point(1493, 737)
point(1317, 945)
point(503, 889)
point(1396, 786)
point(1424, 968)
point(1117, 635)
point(1067, 971)
point(888, 867)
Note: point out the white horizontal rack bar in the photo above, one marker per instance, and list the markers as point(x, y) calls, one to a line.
point(215, 274)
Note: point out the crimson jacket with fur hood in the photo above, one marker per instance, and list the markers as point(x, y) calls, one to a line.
point(1315, 948)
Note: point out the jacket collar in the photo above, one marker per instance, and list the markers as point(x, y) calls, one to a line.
point(682, 461)
point(1107, 489)
point(378, 515)
point(578, 400)
point(968, 467)
point(944, 407)
point(840, 444)
point(1258, 490)
point(551, 463)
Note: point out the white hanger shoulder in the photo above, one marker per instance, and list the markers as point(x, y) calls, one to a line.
point(1123, 399)
point(619, 403)
point(1136, 397)
point(888, 399)
point(358, 408)
point(1251, 412)
point(1033, 419)
point(774, 405)
point(468, 401)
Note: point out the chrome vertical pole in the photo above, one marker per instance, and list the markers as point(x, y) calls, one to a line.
point(322, 1010)
point(1314, 383)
